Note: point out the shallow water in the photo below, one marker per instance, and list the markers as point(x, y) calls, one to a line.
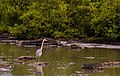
point(61, 61)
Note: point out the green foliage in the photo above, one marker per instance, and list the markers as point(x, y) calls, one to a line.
point(33, 19)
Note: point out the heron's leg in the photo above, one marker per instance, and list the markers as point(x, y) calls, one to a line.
point(39, 59)
point(36, 58)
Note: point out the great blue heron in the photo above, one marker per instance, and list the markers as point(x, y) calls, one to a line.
point(39, 51)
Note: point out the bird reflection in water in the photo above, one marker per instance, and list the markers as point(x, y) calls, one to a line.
point(39, 70)
point(38, 67)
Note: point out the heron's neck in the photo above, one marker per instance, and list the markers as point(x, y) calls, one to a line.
point(42, 45)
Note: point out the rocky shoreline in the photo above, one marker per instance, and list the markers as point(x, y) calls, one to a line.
point(73, 44)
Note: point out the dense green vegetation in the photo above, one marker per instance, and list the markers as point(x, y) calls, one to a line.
point(33, 19)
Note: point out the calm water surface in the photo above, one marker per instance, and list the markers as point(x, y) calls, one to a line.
point(61, 61)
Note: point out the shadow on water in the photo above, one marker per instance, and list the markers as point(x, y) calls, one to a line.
point(61, 61)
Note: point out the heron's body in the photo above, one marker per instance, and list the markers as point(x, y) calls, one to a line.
point(39, 51)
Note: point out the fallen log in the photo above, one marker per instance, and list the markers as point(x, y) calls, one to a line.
point(26, 58)
point(101, 66)
point(93, 66)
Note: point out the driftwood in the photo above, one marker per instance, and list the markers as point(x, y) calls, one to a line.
point(36, 42)
point(18, 62)
point(93, 66)
point(100, 66)
point(26, 58)
point(111, 64)
point(73, 46)
point(41, 64)
point(6, 67)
